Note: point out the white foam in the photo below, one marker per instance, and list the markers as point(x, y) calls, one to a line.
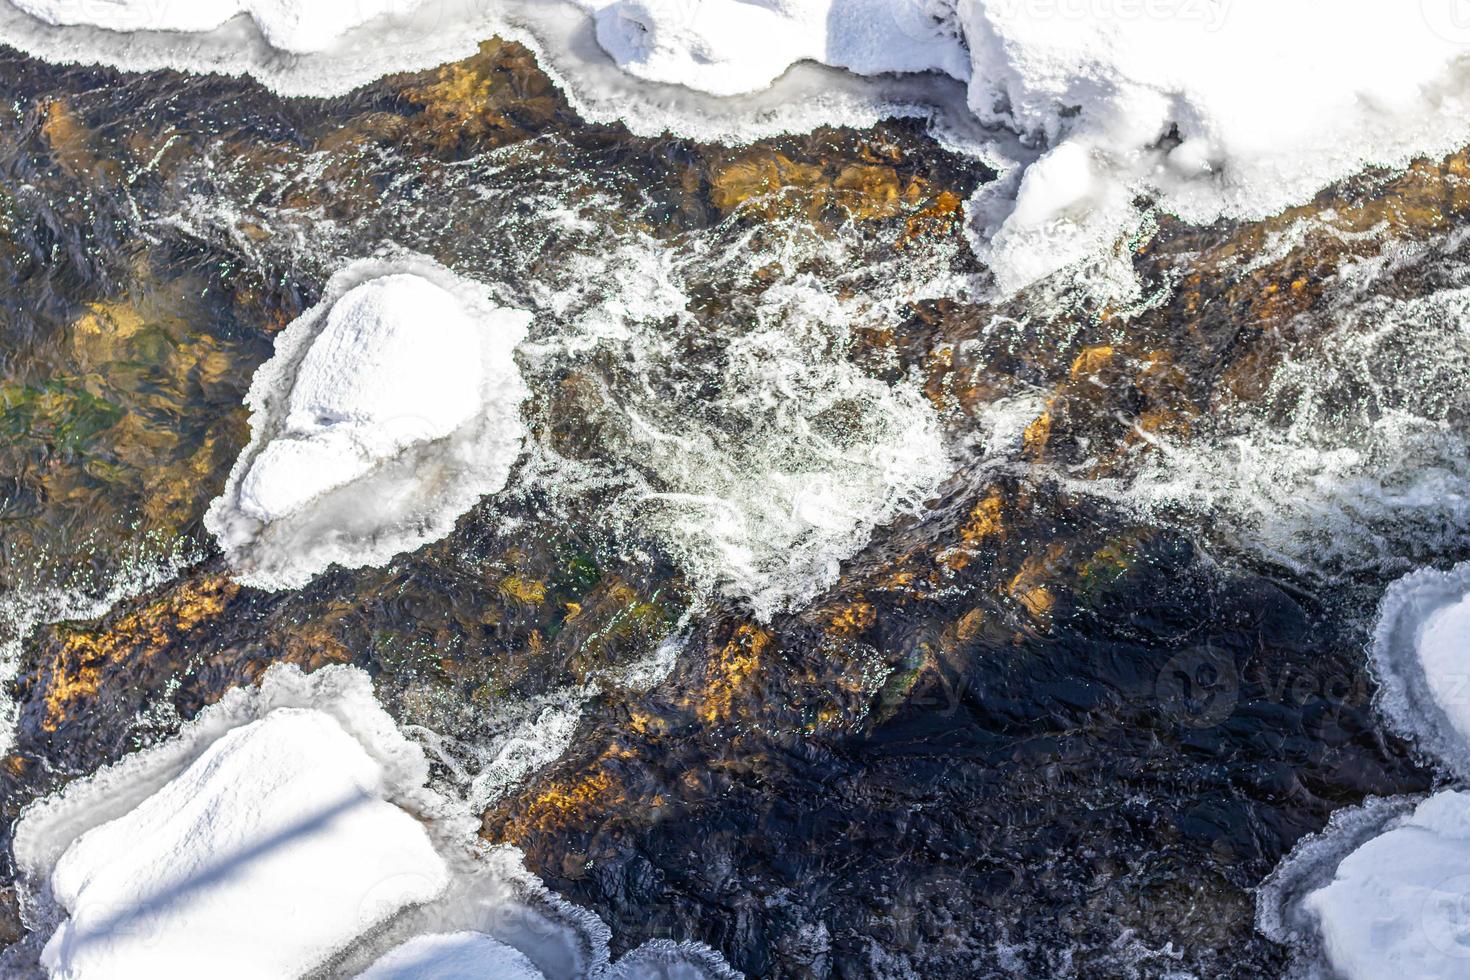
point(287, 828)
point(387, 411)
point(1350, 458)
point(758, 472)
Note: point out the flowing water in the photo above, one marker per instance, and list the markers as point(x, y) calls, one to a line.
point(834, 617)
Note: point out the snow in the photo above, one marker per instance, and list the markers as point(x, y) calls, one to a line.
point(1364, 86)
point(287, 25)
point(387, 411)
point(398, 363)
point(453, 956)
point(1421, 654)
point(280, 822)
point(735, 47)
point(1397, 905)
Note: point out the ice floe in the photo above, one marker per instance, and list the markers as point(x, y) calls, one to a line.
point(1099, 102)
point(387, 411)
point(289, 829)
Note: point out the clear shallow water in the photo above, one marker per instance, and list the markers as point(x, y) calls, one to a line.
point(881, 630)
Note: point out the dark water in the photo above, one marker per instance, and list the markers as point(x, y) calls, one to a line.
point(1059, 724)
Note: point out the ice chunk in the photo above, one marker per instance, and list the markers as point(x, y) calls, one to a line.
point(398, 362)
point(388, 410)
point(453, 956)
point(1421, 654)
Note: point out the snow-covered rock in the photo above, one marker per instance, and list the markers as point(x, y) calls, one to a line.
point(287, 25)
point(1384, 892)
point(1421, 656)
point(278, 829)
point(387, 411)
point(290, 829)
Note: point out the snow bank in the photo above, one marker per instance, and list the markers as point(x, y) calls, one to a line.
point(289, 829)
point(1120, 98)
point(1421, 655)
point(1388, 892)
point(286, 25)
point(736, 47)
point(1109, 100)
point(387, 411)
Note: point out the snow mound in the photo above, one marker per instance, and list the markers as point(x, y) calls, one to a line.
point(387, 411)
point(453, 956)
point(289, 830)
point(1385, 889)
point(281, 820)
point(1421, 655)
point(1389, 894)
